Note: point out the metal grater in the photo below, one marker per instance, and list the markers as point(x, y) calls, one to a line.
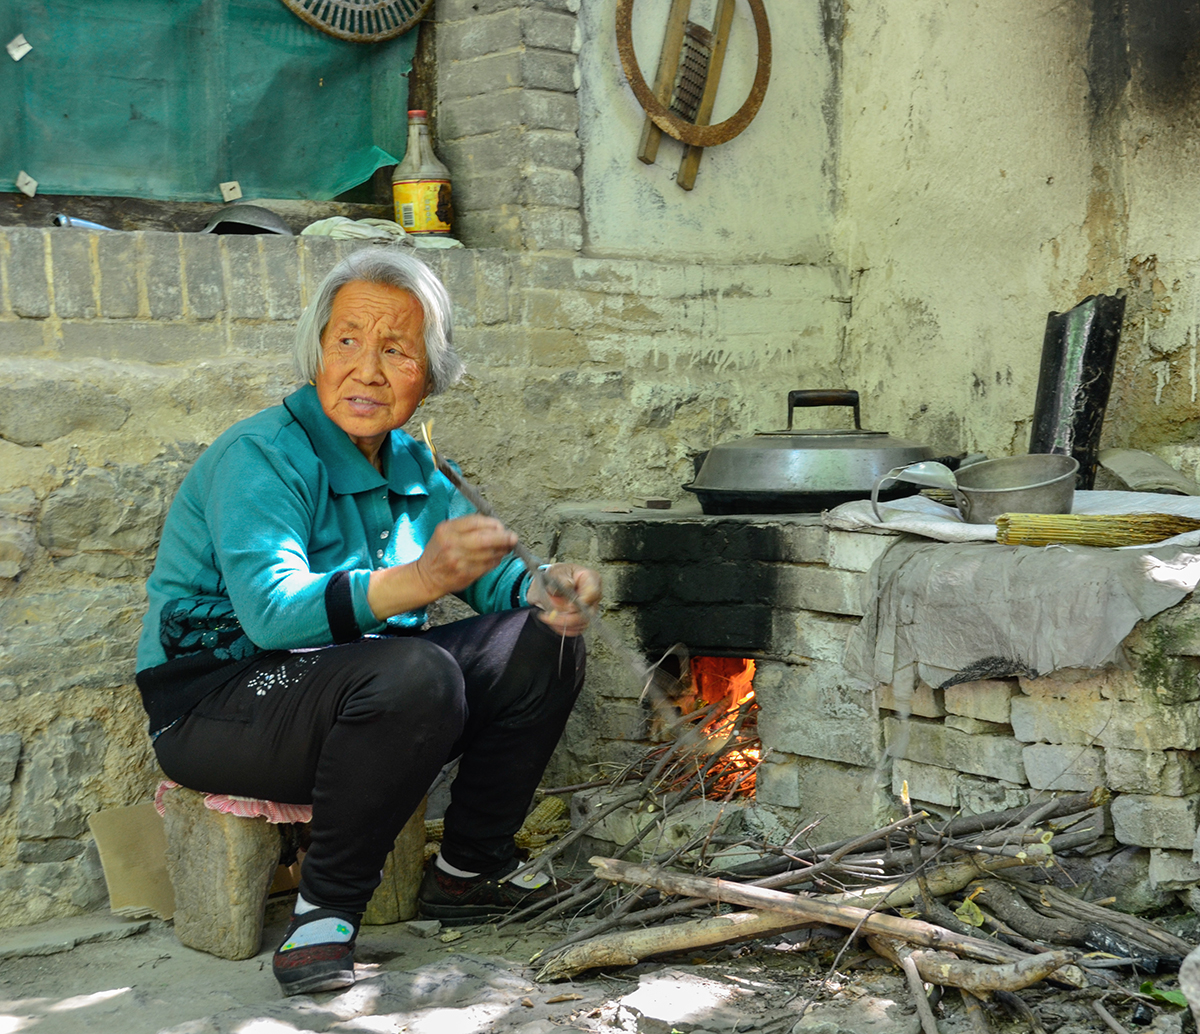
point(693, 71)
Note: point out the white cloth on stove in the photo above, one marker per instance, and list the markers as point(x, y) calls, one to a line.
point(917, 515)
point(934, 610)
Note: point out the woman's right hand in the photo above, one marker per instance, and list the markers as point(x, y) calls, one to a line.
point(461, 551)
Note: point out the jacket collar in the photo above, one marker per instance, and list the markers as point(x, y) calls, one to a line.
point(406, 465)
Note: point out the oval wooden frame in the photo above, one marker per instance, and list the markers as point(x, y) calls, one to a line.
point(667, 120)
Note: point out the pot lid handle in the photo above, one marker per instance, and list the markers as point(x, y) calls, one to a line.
point(824, 397)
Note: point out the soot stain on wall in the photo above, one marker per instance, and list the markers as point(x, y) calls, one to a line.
point(1153, 44)
point(713, 587)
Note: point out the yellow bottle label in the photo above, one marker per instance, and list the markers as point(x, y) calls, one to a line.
point(423, 206)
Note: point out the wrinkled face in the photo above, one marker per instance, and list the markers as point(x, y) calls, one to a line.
point(375, 371)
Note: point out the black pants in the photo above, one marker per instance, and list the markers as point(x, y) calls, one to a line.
point(361, 730)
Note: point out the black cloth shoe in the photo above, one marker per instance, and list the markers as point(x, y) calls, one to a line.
point(315, 967)
point(459, 901)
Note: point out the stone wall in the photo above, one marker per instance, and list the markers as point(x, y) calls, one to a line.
point(123, 354)
point(786, 591)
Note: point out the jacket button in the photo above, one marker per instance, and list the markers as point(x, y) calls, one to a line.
point(379, 552)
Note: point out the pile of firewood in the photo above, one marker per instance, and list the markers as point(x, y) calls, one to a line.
point(964, 903)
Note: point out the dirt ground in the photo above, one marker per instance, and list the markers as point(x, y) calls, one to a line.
point(482, 981)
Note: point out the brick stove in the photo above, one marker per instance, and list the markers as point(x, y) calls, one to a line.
point(785, 591)
point(781, 590)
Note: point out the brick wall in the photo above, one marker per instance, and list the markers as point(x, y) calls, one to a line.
point(508, 120)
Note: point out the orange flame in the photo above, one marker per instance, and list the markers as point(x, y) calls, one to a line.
point(727, 685)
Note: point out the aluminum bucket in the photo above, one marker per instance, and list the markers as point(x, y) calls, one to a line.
point(1037, 483)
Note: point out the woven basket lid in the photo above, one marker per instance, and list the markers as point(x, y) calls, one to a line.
point(360, 21)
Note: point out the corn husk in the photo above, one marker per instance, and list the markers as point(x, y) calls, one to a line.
point(1118, 529)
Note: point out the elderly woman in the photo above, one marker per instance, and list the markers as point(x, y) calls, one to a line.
point(285, 656)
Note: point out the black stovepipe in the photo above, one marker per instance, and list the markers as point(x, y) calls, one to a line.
point(1079, 355)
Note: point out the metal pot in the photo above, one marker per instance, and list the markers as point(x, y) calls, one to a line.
point(803, 471)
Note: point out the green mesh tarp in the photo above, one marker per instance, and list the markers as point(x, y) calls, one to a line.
point(168, 98)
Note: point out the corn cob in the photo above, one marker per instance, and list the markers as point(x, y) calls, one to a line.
point(528, 838)
point(543, 822)
point(1043, 529)
point(547, 811)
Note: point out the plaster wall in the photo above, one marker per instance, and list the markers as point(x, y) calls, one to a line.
point(965, 175)
point(1156, 391)
point(996, 164)
point(766, 195)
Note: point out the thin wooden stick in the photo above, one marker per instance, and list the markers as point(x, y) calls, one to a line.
point(962, 826)
point(1146, 934)
point(630, 947)
point(974, 1009)
point(1108, 1018)
point(1015, 1005)
point(948, 970)
point(920, 996)
point(794, 876)
point(944, 879)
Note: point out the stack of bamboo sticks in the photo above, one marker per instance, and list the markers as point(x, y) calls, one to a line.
point(1124, 529)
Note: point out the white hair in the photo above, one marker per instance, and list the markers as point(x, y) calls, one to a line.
point(393, 268)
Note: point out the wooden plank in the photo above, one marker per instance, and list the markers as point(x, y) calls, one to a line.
point(668, 68)
point(689, 165)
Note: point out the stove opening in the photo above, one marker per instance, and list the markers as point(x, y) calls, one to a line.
point(718, 711)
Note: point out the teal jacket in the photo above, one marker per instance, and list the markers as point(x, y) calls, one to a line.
point(271, 541)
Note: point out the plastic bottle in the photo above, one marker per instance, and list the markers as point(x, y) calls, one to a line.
point(421, 184)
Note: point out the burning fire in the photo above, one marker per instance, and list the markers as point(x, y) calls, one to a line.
point(724, 686)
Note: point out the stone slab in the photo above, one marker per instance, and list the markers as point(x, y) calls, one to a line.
point(998, 757)
point(221, 868)
point(975, 727)
point(1050, 766)
point(847, 799)
point(926, 783)
point(1173, 870)
point(65, 934)
point(855, 551)
point(1154, 821)
point(818, 710)
point(979, 796)
point(924, 702)
point(1173, 773)
point(1132, 724)
point(989, 700)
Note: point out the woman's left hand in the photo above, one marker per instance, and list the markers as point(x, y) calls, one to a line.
point(560, 613)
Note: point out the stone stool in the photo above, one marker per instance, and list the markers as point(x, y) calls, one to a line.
point(221, 867)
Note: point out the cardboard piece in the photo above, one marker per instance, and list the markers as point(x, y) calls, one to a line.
point(133, 852)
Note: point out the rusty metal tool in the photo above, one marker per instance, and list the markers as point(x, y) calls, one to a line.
point(685, 87)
